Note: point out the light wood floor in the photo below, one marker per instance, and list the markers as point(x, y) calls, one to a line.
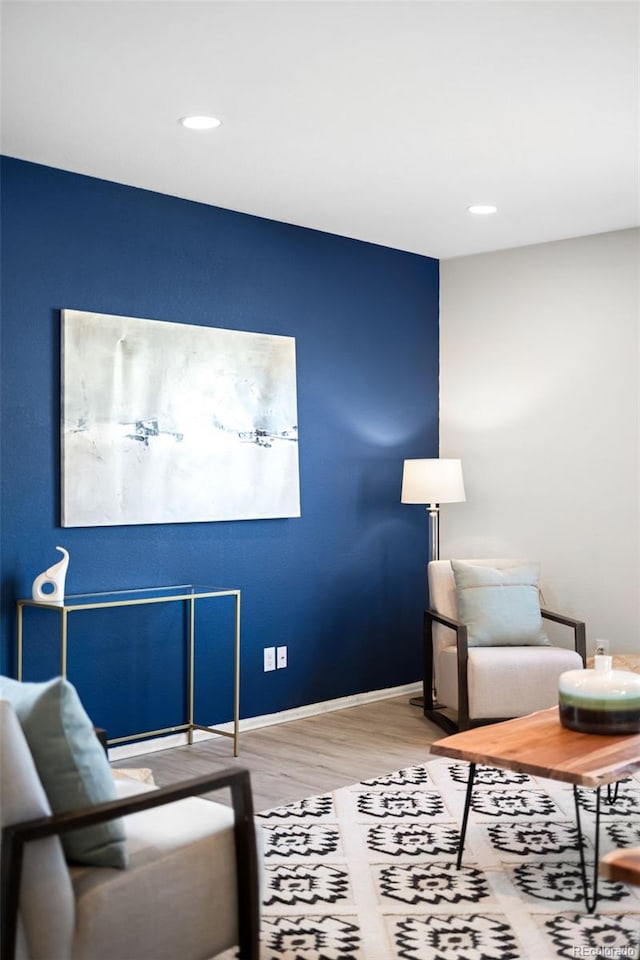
point(293, 760)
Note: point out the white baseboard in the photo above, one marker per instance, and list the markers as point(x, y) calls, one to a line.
point(139, 748)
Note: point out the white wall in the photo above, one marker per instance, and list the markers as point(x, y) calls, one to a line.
point(539, 397)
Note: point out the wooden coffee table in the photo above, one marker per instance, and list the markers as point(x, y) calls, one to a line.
point(540, 746)
point(623, 865)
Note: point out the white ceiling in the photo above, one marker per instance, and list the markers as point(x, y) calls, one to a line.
point(380, 121)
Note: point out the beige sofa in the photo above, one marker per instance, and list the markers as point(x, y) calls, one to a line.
point(190, 889)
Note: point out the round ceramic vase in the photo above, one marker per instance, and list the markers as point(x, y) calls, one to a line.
point(601, 700)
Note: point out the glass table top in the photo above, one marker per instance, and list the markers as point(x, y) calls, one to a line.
point(183, 591)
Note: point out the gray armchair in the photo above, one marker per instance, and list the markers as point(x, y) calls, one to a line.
point(190, 889)
point(466, 685)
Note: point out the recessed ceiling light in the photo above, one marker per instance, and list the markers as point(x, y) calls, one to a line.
point(200, 123)
point(482, 209)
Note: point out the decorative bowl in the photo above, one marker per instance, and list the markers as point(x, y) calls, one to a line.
point(602, 700)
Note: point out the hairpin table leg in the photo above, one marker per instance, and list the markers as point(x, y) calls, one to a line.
point(612, 792)
point(465, 817)
point(590, 902)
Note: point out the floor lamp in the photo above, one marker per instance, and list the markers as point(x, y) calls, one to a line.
point(432, 482)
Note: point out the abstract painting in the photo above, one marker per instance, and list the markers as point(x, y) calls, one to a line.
point(173, 423)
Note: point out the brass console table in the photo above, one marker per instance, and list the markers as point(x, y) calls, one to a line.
point(188, 593)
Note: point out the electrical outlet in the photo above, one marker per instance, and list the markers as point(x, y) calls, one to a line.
point(601, 648)
point(281, 657)
point(269, 658)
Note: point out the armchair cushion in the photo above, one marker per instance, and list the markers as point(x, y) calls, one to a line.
point(500, 606)
point(506, 681)
point(71, 764)
point(178, 854)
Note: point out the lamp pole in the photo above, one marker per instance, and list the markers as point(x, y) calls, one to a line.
point(434, 531)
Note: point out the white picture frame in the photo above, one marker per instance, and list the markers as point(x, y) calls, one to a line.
point(167, 422)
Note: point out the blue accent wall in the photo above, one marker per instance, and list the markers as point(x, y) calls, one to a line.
point(342, 586)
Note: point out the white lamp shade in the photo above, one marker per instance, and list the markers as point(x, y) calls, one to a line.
point(432, 481)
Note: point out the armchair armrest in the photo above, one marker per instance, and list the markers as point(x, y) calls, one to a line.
point(15, 836)
point(101, 734)
point(445, 621)
point(431, 616)
point(578, 627)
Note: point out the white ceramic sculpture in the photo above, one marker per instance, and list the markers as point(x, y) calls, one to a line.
point(48, 587)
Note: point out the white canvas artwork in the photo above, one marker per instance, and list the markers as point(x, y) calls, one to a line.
point(173, 423)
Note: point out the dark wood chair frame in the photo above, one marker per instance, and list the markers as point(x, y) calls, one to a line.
point(15, 836)
point(432, 710)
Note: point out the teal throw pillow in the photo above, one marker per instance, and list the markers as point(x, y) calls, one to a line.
point(71, 764)
point(500, 606)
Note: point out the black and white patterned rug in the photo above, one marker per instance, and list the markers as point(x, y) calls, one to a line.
point(368, 871)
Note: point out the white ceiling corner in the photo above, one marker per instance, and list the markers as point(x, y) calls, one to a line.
point(376, 120)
